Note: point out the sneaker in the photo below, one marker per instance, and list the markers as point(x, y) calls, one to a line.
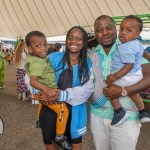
point(25, 99)
point(119, 118)
point(1, 87)
point(63, 143)
point(144, 117)
point(19, 97)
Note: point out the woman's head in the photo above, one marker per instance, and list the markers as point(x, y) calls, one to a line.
point(76, 40)
point(76, 46)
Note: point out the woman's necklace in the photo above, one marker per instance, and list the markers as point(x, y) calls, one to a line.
point(73, 61)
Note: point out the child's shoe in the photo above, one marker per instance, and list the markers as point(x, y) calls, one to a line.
point(144, 117)
point(119, 118)
point(19, 97)
point(25, 99)
point(63, 143)
point(1, 87)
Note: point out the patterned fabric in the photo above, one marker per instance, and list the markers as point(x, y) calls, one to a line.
point(21, 85)
point(98, 98)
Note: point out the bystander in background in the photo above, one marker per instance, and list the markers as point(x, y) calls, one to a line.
point(2, 68)
point(56, 48)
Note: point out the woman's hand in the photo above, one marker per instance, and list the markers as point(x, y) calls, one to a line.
point(45, 97)
point(112, 91)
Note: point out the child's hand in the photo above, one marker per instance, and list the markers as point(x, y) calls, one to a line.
point(53, 92)
point(50, 91)
point(110, 79)
point(46, 98)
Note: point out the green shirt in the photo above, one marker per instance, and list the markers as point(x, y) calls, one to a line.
point(2, 59)
point(40, 67)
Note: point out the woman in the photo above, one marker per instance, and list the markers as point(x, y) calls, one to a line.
point(73, 73)
point(19, 60)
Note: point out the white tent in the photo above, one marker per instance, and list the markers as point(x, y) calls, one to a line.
point(55, 17)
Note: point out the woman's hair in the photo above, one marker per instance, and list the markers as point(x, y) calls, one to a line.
point(18, 52)
point(30, 34)
point(82, 62)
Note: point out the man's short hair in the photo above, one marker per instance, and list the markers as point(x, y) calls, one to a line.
point(58, 45)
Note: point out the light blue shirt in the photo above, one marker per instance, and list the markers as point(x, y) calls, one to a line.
point(130, 52)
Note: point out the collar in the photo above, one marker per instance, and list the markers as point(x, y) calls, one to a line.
point(100, 49)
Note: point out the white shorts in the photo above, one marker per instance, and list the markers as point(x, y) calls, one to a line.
point(129, 79)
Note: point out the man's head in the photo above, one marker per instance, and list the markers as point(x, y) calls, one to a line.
point(130, 28)
point(105, 31)
point(57, 47)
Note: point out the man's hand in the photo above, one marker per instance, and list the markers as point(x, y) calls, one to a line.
point(112, 91)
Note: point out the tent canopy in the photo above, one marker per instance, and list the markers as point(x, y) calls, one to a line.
point(56, 17)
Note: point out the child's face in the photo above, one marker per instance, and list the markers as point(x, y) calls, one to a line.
point(38, 46)
point(75, 41)
point(129, 30)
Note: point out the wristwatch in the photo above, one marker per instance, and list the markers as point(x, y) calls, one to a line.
point(124, 91)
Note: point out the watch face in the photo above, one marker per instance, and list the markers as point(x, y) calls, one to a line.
point(124, 93)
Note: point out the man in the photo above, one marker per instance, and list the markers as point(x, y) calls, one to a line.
point(107, 137)
point(56, 48)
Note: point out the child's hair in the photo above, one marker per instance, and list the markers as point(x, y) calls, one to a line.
point(30, 34)
point(82, 62)
point(139, 21)
point(18, 52)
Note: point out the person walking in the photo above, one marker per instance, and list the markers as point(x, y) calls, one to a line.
point(19, 60)
point(2, 68)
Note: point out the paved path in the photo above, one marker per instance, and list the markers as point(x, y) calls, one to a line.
point(19, 118)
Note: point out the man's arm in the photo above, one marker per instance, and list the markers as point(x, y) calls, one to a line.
point(146, 55)
point(113, 91)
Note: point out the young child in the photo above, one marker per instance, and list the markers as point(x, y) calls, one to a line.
point(42, 77)
point(126, 67)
